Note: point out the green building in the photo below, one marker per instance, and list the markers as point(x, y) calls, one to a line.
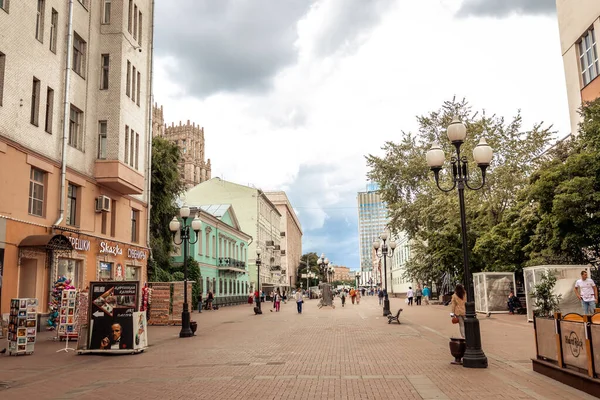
point(221, 251)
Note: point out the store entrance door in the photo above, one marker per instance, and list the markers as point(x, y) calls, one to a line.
point(28, 278)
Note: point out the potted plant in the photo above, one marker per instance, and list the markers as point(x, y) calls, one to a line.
point(546, 301)
point(193, 326)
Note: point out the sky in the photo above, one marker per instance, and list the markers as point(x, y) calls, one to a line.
point(292, 94)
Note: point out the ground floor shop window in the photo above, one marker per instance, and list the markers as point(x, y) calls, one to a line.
point(132, 273)
point(72, 270)
point(105, 271)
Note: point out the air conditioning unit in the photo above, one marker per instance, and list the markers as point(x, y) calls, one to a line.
point(102, 204)
point(282, 234)
point(270, 243)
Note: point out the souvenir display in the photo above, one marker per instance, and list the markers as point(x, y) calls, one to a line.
point(67, 315)
point(22, 326)
point(62, 283)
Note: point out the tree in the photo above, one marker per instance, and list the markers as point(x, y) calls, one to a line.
point(431, 217)
point(311, 259)
point(546, 302)
point(166, 186)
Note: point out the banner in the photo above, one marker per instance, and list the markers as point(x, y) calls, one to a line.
point(112, 307)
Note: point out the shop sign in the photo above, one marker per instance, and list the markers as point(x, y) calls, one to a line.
point(114, 250)
point(80, 244)
point(572, 338)
point(136, 254)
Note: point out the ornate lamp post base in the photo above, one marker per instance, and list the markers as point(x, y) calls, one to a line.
point(186, 331)
point(386, 306)
point(474, 356)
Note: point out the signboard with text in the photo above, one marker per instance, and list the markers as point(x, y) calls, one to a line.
point(112, 307)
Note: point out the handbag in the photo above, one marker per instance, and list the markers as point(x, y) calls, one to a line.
point(455, 319)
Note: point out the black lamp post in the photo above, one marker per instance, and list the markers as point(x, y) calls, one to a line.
point(184, 231)
point(258, 263)
point(384, 249)
point(357, 279)
point(331, 272)
point(323, 262)
point(482, 154)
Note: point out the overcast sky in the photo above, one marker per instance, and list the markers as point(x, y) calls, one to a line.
point(292, 94)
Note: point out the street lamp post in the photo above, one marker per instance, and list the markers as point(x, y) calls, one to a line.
point(184, 232)
point(331, 272)
point(482, 154)
point(258, 263)
point(384, 249)
point(357, 279)
point(323, 262)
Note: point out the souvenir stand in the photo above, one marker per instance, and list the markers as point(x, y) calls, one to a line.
point(492, 290)
point(22, 326)
point(67, 315)
point(81, 320)
point(566, 276)
point(115, 325)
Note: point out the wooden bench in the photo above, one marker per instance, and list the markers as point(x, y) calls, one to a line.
point(394, 318)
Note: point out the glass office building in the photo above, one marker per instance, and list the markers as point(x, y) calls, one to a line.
point(372, 220)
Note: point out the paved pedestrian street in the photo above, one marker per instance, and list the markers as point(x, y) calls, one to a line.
point(341, 353)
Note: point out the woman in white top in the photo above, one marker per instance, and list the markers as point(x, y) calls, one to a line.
point(409, 295)
point(299, 300)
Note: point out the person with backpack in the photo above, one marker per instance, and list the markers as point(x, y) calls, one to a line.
point(380, 295)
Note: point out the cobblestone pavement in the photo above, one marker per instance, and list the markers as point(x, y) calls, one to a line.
point(341, 353)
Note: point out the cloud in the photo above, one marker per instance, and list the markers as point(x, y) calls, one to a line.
point(504, 8)
point(227, 45)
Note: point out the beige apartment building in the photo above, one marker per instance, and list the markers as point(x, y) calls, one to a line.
point(291, 237)
point(75, 82)
point(341, 273)
point(579, 25)
point(193, 166)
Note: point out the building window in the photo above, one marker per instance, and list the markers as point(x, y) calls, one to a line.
point(53, 30)
point(106, 12)
point(133, 91)
point(126, 144)
point(104, 217)
point(214, 247)
point(78, 54)
point(135, 217)
point(35, 101)
point(72, 205)
point(588, 57)
point(135, 21)
point(104, 73)
point(2, 67)
point(137, 149)
point(131, 148)
point(75, 131)
point(140, 28)
point(36, 192)
point(130, 16)
point(139, 80)
point(128, 84)
point(207, 241)
point(39, 21)
point(113, 218)
point(72, 270)
point(83, 3)
point(49, 109)
point(132, 273)
point(102, 132)
point(4, 4)
point(105, 271)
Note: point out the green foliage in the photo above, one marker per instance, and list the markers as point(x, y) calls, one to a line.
point(312, 266)
point(546, 302)
point(166, 186)
point(430, 217)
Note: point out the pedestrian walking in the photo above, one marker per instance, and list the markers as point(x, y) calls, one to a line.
point(426, 294)
point(277, 300)
point(353, 295)
point(358, 297)
point(209, 300)
point(380, 295)
point(409, 295)
point(587, 292)
point(299, 301)
point(418, 295)
point(343, 297)
point(251, 298)
point(200, 302)
point(458, 302)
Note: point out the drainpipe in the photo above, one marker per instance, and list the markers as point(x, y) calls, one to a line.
point(63, 171)
point(149, 155)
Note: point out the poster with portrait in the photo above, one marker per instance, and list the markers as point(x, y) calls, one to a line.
point(140, 325)
point(112, 308)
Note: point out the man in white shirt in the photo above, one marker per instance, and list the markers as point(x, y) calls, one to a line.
point(587, 293)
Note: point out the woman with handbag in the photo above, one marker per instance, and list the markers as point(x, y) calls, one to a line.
point(459, 299)
point(299, 300)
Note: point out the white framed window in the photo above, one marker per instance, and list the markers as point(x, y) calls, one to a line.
point(126, 144)
point(588, 57)
point(72, 193)
point(132, 273)
point(53, 30)
point(105, 271)
point(35, 101)
point(75, 129)
point(49, 109)
point(39, 21)
point(128, 84)
point(102, 133)
point(79, 46)
point(105, 64)
point(71, 269)
point(106, 11)
point(133, 81)
point(37, 181)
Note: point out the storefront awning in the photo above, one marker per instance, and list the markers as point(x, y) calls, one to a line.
point(47, 242)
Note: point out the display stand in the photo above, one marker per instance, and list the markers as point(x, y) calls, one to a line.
point(22, 326)
point(67, 316)
point(81, 320)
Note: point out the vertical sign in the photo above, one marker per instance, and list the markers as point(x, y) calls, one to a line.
point(112, 307)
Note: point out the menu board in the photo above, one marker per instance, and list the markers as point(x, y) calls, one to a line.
point(67, 316)
point(22, 326)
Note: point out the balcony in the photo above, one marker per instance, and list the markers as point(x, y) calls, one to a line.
point(231, 265)
point(119, 177)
